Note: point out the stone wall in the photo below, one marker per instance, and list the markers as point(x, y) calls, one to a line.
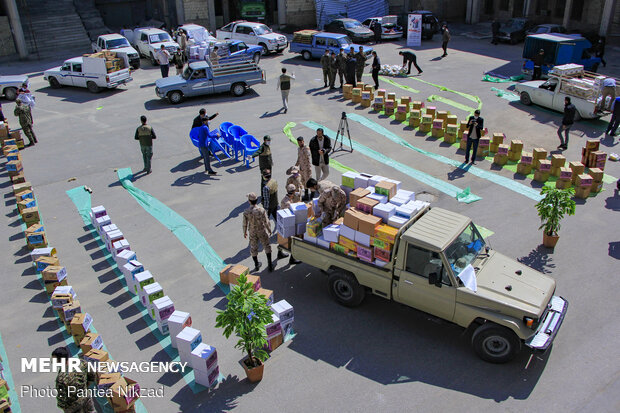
point(7, 46)
point(196, 11)
point(301, 13)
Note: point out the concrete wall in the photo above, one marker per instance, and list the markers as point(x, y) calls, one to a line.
point(449, 10)
point(301, 13)
point(197, 11)
point(7, 47)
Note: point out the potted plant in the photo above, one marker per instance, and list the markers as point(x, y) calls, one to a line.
point(551, 210)
point(246, 315)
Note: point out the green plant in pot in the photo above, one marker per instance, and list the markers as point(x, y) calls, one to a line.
point(556, 203)
point(246, 315)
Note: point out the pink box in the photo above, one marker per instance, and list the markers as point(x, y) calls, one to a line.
point(364, 253)
point(438, 124)
point(381, 254)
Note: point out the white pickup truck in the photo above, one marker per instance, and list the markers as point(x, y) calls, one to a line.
point(121, 46)
point(148, 41)
point(253, 33)
point(88, 72)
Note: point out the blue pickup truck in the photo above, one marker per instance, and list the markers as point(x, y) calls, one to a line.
point(234, 49)
point(199, 78)
point(312, 44)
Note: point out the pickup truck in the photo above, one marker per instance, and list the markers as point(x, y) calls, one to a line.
point(199, 78)
point(312, 44)
point(148, 41)
point(121, 46)
point(551, 93)
point(253, 33)
point(10, 84)
point(509, 304)
point(88, 72)
point(236, 49)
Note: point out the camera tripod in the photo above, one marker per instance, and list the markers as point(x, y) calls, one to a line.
point(342, 126)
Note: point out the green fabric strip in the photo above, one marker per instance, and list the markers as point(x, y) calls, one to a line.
point(394, 83)
point(451, 102)
point(493, 79)
point(449, 189)
point(511, 97)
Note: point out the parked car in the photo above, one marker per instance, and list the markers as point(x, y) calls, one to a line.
point(148, 41)
point(10, 84)
point(120, 45)
point(352, 28)
point(514, 30)
point(89, 72)
point(389, 27)
point(199, 78)
point(546, 28)
point(253, 33)
point(236, 49)
point(312, 44)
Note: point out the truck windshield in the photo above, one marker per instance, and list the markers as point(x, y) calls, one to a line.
point(464, 248)
point(345, 42)
point(117, 43)
point(159, 38)
point(262, 29)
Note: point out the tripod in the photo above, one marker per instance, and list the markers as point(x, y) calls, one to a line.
point(344, 124)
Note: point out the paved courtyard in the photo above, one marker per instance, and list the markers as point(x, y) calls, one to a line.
point(380, 356)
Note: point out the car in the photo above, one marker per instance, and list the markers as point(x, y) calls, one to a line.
point(514, 30)
point(253, 33)
point(430, 23)
point(546, 28)
point(389, 28)
point(95, 72)
point(352, 28)
point(236, 49)
point(147, 41)
point(10, 84)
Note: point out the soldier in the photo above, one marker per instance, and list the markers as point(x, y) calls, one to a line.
point(360, 64)
point(291, 197)
point(24, 114)
point(304, 163)
point(332, 200)
point(270, 195)
point(333, 68)
point(295, 179)
point(341, 61)
point(264, 158)
point(72, 386)
point(145, 134)
point(325, 59)
point(256, 219)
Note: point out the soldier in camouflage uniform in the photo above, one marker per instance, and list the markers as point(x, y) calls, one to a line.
point(332, 200)
point(255, 218)
point(361, 63)
point(333, 68)
point(341, 61)
point(24, 114)
point(325, 63)
point(291, 197)
point(70, 383)
point(265, 161)
point(304, 163)
point(294, 178)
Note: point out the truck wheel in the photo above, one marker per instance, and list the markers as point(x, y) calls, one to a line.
point(92, 87)
point(306, 55)
point(153, 61)
point(265, 49)
point(10, 93)
point(345, 289)
point(175, 97)
point(525, 98)
point(238, 89)
point(54, 83)
point(494, 343)
point(256, 57)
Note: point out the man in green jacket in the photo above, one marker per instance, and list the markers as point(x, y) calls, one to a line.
point(265, 161)
point(145, 134)
point(325, 63)
point(360, 64)
point(24, 114)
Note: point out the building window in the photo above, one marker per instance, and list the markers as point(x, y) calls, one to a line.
point(560, 6)
point(503, 4)
point(577, 10)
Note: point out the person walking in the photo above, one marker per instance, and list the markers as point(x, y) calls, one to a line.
point(567, 122)
point(445, 39)
point(199, 120)
point(410, 58)
point(341, 62)
point(265, 161)
point(333, 69)
point(24, 114)
point(332, 200)
point(360, 63)
point(325, 63)
point(609, 89)
point(351, 67)
point(204, 138)
point(304, 163)
point(179, 61)
point(320, 145)
point(145, 134)
point(495, 30)
point(72, 385)
point(163, 58)
point(256, 221)
point(182, 37)
point(475, 125)
point(376, 66)
point(615, 118)
point(539, 61)
point(378, 31)
point(284, 84)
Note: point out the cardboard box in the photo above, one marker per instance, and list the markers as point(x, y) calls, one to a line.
point(544, 165)
point(558, 161)
point(50, 286)
point(283, 242)
point(275, 342)
point(43, 262)
point(30, 215)
point(368, 224)
point(527, 158)
point(537, 155)
point(382, 254)
point(96, 356)
point(125, 393)
point(81, 324)
point(274, 328)
point(593, 144)
point(70, 310)
point(431, 111)
point(268, 294)
point(36, 240)
point(203, 357)
point(252, 279)
point(582, 192)
point(498, 138)
point(59, 299)
point(365, 253)
point(437, 132)
point(54, 273)
point(19, 188)
point(583, 180)
point(106, 380)
point(563, 183)
point(596, 174)
point(91, 341)
point(596, 187)
point(314, 227)
point(578, 168)
point(357, 194)
point(500, 159)
point(351, 218)
point(347, 243)
point(366, 204)
point(566, 174)
point(18, 178)
point(541, 176)
point(524, 168)
point(386, 233)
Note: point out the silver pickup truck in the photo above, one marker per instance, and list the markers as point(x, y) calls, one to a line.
point(201, 78)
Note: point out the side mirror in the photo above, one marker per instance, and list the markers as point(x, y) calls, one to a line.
point(433, 278)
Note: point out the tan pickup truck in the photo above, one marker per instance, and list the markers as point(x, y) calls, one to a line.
point(505, 305)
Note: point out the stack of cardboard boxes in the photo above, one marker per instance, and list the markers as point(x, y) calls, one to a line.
point(591, 156)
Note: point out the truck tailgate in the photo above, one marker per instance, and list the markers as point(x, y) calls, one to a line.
point(378, 279)
point(119, 77)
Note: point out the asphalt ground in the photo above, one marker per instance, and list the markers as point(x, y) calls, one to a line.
point(379, 357)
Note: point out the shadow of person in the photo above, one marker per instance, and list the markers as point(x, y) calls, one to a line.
point(271, 114)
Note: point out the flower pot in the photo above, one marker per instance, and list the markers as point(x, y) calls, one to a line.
point(254, 374)
point(549, 241)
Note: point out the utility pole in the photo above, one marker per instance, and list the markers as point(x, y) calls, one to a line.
point(16, 28)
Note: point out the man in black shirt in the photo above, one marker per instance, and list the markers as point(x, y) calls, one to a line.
point(475, 125)
point(539, 61)
point(495, 30)
point(411, 58)
point(567, 122)
point(351, 66)
point(376, 66)
point(198, 120)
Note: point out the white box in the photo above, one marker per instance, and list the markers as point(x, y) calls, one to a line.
point(396, 221)
point(102, 222)
point(41, 252)
point(65, 289)
point(308, 238)
point(163, 327)
point(187, 340)
point(346, 190)
point(163, 308)
point(375, 180)
point(112, 238)
point(378, 197)
point(362, 238)
point(301, 212)
point(370, 189)
point(120, 246)
point(349, 174)
point(287, 328)
point(141, 277)
point(207, 379)
point(204, 358)
point(286, 231)
point(380, 263)
point(384, 211)
point(274, 328)
point(124, 257)
point(398, 201)
point(176, 323)
point(129, 270)
point(331, 233)
point(286, 218)
point(283, 310)
point(361, 181)
point(401, 193)
point(405, 211)
point(300, 228)
point(108, 228)
point(149, 291)
point(97, 212)
point(322, 242)
point(347, 232)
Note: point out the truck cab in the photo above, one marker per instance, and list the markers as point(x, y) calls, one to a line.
point(311, 44)
point(148, 41)
point(255, 34)
point(120, 45)
point(253, 10)
point(90, 71)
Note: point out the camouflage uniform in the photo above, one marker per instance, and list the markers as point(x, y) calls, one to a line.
point(341, 60)
point(289, 199)
point(359, 67)
point(24, 114)
point(325, 63)
point(256, 219)
point(333, 68)
point(297, 181)
point(69, 402)
point(304, 164)
point(332, 201)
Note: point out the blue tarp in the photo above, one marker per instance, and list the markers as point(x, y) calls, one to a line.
point(328, 10)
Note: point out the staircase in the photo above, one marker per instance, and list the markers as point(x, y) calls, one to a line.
point(52, 27)
point(91, 18)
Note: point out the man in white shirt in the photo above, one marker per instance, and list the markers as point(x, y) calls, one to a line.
point(163, 58)
point(609, 89)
